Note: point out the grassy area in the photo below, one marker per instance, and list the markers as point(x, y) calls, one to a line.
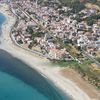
point(85, 69)
point(65, 63)
point(98, 59)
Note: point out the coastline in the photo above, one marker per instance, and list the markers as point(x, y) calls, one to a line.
point(84, 85)
point(40, 64)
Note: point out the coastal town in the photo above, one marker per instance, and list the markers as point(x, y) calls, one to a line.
point(66, 35)
point(47, 29)
point(56, 32)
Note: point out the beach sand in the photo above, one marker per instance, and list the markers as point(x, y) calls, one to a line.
point(40, 64)
point(78, 80)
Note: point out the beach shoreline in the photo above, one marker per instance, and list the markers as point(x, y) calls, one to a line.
point(41, 65)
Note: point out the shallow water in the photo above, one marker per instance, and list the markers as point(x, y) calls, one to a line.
point(2, 19)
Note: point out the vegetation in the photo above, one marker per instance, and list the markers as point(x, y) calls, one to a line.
point(76, 5)
point(92, 1)
point(92, 19)
point(29, 30)
point(20, 42)
point(84, 69)
point(64, 63)
point(31, 45)
point(98, 59)
point(98, 3)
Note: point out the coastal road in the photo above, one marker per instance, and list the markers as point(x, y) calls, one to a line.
point(91, 58)
point(32, 51)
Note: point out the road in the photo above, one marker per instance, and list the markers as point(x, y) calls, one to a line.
point(91, 58)
point(32, 51)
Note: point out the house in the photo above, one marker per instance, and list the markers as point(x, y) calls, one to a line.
point(59, 54)
point(18, 38)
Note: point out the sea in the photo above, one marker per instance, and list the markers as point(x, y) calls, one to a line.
point(2, 19)
point(18, 81)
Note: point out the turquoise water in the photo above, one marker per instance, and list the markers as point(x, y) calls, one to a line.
point(19, 82)
point(2, 19)
point(12, 88)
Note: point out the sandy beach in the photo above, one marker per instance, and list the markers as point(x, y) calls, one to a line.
point(42, 65)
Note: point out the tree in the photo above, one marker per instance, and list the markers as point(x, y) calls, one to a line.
point(92, 19)
point(29, 30)
point(92, 1)
point(90, 22)
point(76, 5)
